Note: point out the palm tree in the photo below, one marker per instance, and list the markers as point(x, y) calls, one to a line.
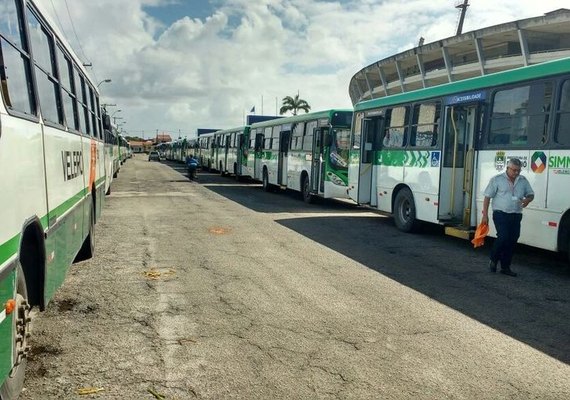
point(294, 104)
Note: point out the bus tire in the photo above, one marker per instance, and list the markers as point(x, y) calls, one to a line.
point(108, 192)
point(88, 247)
point(405, 211)
point(14, 383)
point(306, 190)
point(265, 181)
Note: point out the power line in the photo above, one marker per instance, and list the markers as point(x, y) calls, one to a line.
point(75, 32)
point(57, 18)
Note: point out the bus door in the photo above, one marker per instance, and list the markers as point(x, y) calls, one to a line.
point(366, 161)
point(317, 159)
point(258, 149)
point(241, 145)
point(284, 137)
point(227, 140)
point(456, 197)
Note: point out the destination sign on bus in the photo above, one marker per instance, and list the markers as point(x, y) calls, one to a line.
point(465, 98)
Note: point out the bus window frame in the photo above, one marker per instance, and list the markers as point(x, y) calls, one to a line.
point(533, 142)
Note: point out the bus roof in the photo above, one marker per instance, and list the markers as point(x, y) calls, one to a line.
point(299, 118)
point(549, 68)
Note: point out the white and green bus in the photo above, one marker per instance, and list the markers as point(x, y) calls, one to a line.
point(428, 154)
point(222, 150)
point(51, 170)
point(307, 153)
point(111, 159)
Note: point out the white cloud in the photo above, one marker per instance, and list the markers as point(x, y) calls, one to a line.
point(200, 73)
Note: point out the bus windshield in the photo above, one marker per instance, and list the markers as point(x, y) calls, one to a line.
point(340, 146)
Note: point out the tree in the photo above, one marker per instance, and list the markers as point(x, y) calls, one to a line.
point(294, 104)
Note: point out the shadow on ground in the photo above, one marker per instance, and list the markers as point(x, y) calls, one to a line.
point(533, 308)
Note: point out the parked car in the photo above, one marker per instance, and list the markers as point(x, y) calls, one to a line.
point(153, 155)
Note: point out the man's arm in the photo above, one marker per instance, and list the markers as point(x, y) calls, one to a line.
point(485, 218)
point(526, 200)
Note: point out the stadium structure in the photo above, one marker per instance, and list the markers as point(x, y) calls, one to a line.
point(479, 52)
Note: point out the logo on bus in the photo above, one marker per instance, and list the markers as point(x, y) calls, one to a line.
point(538, 162)
point(72, 164)
point(500, 158)
point(435, 157)
point(559, 165)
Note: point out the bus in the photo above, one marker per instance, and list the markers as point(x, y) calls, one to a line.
point(221, 150)
point(123, 149)
point(111, 160)
point(52, 174)
point(428, 154)
point(308, 153)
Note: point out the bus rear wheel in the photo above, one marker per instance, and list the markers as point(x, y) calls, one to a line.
point(88, 248)
point(14, 383)
point(405, 211)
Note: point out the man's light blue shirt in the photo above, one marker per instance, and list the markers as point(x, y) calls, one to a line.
point(506, 195)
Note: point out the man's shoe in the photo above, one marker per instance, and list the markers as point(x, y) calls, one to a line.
point(507, 271)
point(492, 266)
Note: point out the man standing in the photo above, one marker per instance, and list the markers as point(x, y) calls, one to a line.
point(511, 192)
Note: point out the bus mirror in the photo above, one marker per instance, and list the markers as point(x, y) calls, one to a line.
point(106, 122)
point(328, 139)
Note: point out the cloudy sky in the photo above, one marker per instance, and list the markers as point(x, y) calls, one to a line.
point(179, 65)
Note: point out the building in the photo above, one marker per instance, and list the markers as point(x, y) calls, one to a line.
point(480, 52)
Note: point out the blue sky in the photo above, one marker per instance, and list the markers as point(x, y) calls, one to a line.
point(168, 14)
point(179, 65)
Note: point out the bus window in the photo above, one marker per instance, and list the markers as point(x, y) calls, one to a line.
point(424, 125)
point(48, 90)
point(520, 112)
point(297, 139)
point(357, 131)
point(17, 87)
point(259, 141)
point(562, 131)
point(308, 138)
point(396, 130)
point(65, 80)
point(275, 137)
point(268, 140)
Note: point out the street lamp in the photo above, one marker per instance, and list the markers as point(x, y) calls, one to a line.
point(103, 81)
point(116, 112)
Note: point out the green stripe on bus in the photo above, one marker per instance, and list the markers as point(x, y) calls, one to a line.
point(403, 158)
point(9, 248)
point(67, 205)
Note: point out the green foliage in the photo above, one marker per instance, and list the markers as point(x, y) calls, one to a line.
point(294, 104)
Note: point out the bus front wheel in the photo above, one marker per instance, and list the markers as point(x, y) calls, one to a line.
point(306, 190)
point(14, 383)
point(265, 181)
point(405, 211)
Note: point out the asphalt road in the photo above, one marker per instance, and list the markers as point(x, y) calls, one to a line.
point(217, 290)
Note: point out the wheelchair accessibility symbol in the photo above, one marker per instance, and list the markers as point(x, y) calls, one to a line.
point(435, 156)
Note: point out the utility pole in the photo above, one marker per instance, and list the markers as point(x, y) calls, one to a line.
point(463, 7)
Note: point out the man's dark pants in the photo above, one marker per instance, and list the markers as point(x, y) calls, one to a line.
point(508, 228)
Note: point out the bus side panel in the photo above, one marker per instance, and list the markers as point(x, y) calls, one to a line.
point(353, 173)
point(67, 171)
point(271, 164)
point(541, 219)
point(423, 179)
point(297, 164)
point(390, 173)
point(7, 291)
point(23, 198)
